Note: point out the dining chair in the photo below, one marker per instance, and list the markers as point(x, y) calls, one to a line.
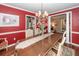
point(62, 50)
point(3, 44)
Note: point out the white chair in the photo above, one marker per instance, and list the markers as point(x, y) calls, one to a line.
point(61, 44)
point(62, 41)
point(62, 50)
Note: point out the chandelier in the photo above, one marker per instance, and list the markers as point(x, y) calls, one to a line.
point(42, 14)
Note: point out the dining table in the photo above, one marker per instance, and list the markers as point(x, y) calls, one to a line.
point(38, 45)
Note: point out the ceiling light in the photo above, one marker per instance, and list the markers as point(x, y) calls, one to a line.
point(42, 14)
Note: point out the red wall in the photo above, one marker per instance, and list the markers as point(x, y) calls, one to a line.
point(75, 23)
point(75, 38)
point(21, 14)
point(75, 20)
point(10, 37)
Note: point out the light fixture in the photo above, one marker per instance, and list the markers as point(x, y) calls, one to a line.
point(45, 14)
point(38, 14)
point(42, 14)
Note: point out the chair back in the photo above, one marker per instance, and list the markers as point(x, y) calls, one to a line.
point(61, 44)
point(5, 39)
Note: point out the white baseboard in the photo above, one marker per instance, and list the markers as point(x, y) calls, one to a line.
point(77, 45)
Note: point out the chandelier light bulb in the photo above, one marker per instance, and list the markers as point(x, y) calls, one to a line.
point(36, 14)
point(39, 13)
point(45, 13)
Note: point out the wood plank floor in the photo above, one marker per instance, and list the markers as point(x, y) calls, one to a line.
point(11, 50)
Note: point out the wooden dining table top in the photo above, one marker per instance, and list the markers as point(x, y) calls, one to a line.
point(41, 47)
point(31, 41)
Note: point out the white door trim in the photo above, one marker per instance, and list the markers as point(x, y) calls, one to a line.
point(69, 26)
point(49, 20)
point(49, 24)
point(67, 22)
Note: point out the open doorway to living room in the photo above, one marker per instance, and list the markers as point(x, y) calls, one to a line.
point(58, 23)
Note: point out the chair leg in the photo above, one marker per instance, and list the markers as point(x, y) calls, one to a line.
point(15, 53)
point(6, 48)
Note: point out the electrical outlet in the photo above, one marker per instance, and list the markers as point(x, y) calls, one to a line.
point(14, 38)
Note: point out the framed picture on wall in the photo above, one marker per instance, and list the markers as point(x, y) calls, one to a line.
point(8, 20)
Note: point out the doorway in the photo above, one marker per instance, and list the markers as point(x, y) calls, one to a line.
point(62, 25)
point(58, 23)
point(30, 26)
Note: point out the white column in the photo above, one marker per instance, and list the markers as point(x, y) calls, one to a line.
point(67, 26)
point(49, 24)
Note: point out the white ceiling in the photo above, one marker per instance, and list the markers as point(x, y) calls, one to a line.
point(49, 7)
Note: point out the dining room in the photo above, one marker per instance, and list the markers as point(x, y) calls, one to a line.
point(39, 29)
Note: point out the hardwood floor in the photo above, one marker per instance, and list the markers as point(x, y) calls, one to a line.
point(9, 52)
point(40, 47)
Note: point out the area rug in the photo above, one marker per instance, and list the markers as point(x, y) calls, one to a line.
point(68, 51)
point(65, 52)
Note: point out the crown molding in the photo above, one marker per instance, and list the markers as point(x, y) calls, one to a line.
point(17, 8)
point(65, 9)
